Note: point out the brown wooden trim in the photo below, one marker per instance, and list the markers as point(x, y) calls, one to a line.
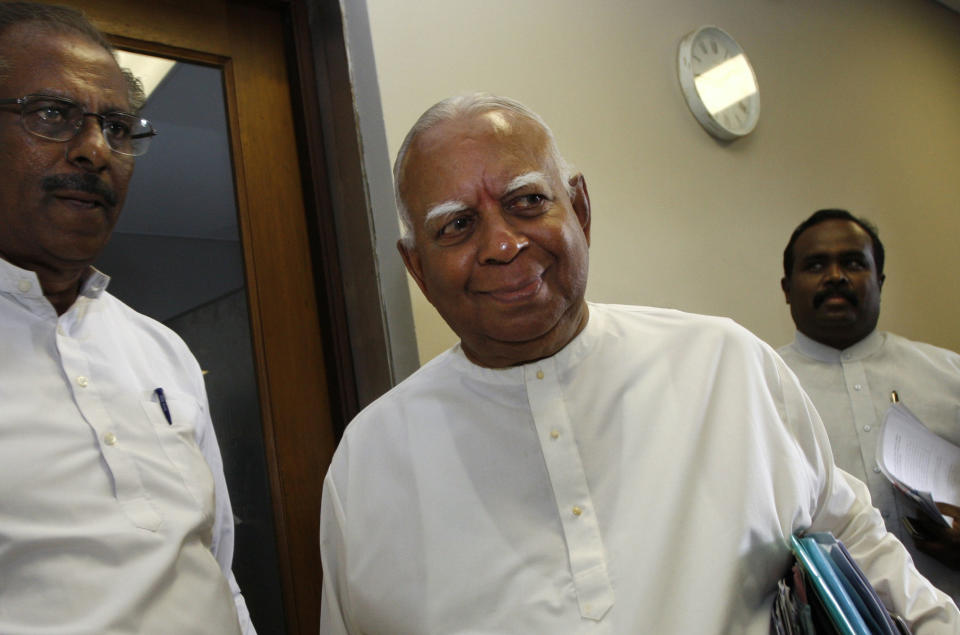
point(173, 52)
point(299, 400)
point(334, 108)
point(281, 525)
point(197, 25)
point(321, 222)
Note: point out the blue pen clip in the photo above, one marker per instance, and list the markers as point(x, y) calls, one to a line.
point(163, 404)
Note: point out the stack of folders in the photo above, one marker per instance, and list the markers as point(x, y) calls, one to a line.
point(827, 593)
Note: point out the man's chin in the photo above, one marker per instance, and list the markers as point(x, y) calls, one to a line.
point(78, 255)
point(517, 342)
point(834, 325)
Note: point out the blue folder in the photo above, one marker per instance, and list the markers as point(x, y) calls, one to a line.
point(840, 606)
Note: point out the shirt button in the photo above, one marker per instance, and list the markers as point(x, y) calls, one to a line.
point(24, 285)
point(576, 510)
point(554, 434)
point(847, 356)
point(82, 381)
point(866, 428)
point(857, 386)
point(110, 438)
point(876, 469)
point(539, 374)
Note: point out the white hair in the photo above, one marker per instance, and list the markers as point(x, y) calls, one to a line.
point(464, 106)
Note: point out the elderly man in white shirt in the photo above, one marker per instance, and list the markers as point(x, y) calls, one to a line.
point(114, 513)
point(833, 276)
point(572, 467)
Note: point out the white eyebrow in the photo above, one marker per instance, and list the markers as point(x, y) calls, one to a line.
point(442, 209)
point(454, 206)
point(530, 178)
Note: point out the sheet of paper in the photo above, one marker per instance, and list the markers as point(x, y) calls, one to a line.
point(919, 459)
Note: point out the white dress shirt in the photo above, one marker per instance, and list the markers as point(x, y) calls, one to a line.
point(112, 520)
point(645, 479)
point(851, 390)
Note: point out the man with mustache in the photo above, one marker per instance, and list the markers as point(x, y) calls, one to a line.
point(114, 512)
point(833, 275)
point(572, 467)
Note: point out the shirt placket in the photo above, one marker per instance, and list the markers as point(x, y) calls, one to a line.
point(585, 551)
point(128, 487)
point(867, 428)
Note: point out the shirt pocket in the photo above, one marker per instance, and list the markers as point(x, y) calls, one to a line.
point(177, 439)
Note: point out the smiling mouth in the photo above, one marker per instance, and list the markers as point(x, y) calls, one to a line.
point(517, 293)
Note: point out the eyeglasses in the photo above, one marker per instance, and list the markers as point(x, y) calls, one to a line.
point(61, 119)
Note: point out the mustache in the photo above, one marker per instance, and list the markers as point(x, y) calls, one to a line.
point(88, 183)
point(847, 294)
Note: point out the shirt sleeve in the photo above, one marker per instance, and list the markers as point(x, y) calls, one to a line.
point(223, 526)
point(845, 509)
point(334, 615)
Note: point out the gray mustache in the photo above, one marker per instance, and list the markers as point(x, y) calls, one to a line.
point(88, 183)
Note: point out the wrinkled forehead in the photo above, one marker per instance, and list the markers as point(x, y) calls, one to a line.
point(40, 57)
point(461, 157)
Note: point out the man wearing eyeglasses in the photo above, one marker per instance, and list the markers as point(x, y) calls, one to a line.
point(114, 513)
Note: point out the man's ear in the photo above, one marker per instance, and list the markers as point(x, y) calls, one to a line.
point(411, 260)
point(581, 203)
point(880, 281)
point(785, 285)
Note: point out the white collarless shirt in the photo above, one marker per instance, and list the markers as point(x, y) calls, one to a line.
point(112, 519)
point(851, 390)
point(645, 479)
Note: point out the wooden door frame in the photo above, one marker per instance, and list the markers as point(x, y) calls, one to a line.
point(286, 195)
point(368, 298)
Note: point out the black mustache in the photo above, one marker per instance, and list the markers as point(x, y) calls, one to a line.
point(80, 183)
point(821, 296)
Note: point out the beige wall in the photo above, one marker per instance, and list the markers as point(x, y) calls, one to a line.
point(860, 109)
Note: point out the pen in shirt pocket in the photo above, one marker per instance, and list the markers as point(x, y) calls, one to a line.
point(163, 404)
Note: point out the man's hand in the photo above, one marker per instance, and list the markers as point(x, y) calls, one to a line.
point(935, 540)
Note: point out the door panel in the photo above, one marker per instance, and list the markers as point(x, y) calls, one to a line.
point(176, 256)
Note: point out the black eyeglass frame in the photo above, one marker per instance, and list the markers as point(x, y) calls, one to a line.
point(102, 119)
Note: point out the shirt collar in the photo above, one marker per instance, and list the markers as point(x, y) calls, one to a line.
point(24, 283)
point(95, 284)
point(861, 350)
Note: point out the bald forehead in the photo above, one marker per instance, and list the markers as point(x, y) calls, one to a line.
point(483, 141)
point(501, 123)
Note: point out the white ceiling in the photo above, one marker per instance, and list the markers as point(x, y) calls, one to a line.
point(149, 69)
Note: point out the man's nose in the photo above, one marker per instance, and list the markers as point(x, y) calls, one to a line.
point(500, 241)
point(89, 149)
point(835, 274)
